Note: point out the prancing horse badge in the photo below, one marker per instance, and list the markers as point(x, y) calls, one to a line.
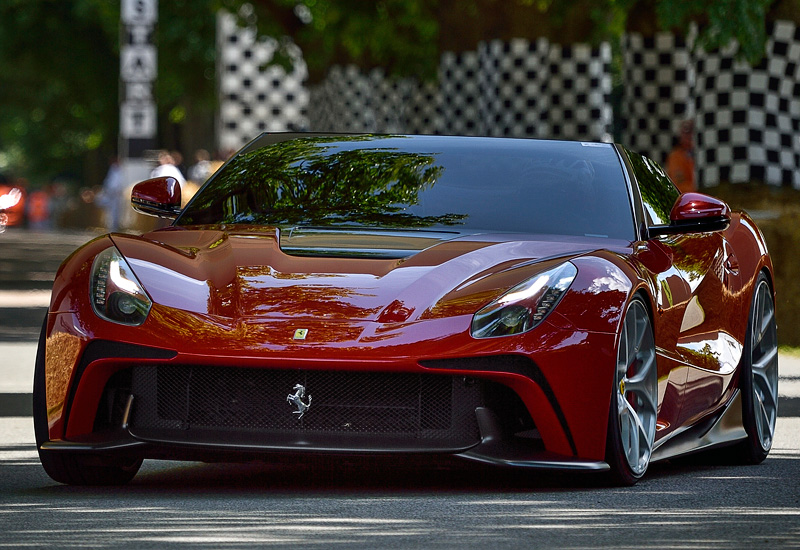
point(300, 334)
point(296, 399)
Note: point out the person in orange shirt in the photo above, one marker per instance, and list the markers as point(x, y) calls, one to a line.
point(39, 210)
point(680, 162)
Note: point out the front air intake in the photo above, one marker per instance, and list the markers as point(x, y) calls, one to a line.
point(369, 411)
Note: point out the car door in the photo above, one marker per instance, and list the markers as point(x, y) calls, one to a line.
point(696, 357)
point(701, 343)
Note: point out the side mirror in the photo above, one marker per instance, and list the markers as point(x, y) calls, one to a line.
point(160, 197)
point(695, 213)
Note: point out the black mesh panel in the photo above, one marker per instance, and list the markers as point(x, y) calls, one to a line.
point(208, 404)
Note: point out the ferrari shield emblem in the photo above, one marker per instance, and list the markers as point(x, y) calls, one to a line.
point(300, 334)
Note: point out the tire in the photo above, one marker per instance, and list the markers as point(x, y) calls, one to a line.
point(69, 468)
point(634, 399)
point(758, 376)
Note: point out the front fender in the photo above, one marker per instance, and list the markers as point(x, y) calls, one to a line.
point(597, 299)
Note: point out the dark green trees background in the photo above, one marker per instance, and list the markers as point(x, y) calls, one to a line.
point(59, 59)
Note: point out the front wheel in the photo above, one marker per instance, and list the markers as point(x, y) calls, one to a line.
point(634, 399)
point(758, 376)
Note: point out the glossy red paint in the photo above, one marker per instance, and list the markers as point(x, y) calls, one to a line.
point(390, 315)
point(701, 311)
point(213, 305)
point(693, 206)
point(157, 196)
point(233, 298)
point(344, 332)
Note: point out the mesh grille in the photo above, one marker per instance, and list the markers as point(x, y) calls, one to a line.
point(215, 404)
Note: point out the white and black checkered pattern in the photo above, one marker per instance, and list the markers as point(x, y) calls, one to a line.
point(461, 94)
point(521, 88)
point(349, 100)
point(578, 92)
point(517, 88)
point(514, 88)
point(659, 78)
point(341, 102)
point(422, 114)
point(255, 96)
point(512, 83)
point(748, 118)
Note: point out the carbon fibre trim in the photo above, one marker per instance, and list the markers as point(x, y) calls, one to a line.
point(723, 428)
point(107, 349)
point(515, 364)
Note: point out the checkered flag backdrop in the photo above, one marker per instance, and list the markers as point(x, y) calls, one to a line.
point(658, 92)
point(255, 96)
point(747, 118)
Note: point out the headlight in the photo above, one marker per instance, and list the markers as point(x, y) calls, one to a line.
point(524, 306)
point(117, 295)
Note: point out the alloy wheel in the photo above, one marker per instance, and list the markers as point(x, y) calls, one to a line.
point(637, 388)
point(764, 364)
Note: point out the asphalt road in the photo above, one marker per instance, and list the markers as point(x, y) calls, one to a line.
point(28, 263)
point(170, 505)
point(704, 503)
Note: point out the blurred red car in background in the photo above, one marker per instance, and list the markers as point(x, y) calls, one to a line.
point(12, 205)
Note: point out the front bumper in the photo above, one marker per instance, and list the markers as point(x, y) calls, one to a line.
point(565, 392)
point(494, 449)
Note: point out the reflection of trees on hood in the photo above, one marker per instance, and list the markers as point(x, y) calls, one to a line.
point(313, 181)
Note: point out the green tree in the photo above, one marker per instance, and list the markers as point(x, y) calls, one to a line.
point(60, 58)
point(59, 99)
point(400, 36)
point(59, 94)
point(721, 21)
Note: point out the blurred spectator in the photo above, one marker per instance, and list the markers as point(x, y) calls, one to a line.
point(680, 162)
point(59, 202)
point(38, 210)
point(9, 197)
point(201, 169)
point(177, 160)
point(166, 167)
point(221, 158)
point(86, 212)
point(110, 198)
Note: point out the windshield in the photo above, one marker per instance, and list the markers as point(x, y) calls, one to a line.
point(413, 182)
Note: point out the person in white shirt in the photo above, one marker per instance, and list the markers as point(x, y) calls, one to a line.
point(166, 167)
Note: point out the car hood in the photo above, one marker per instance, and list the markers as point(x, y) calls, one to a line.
point(385, 276)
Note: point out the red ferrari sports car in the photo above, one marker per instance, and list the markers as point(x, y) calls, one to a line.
point(512, 302)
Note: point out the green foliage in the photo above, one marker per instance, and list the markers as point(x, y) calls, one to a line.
point(60, 65)
point(721, 21)
point(60, 58)
point(186, 56)
point(401, 36)
point(59, 94)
